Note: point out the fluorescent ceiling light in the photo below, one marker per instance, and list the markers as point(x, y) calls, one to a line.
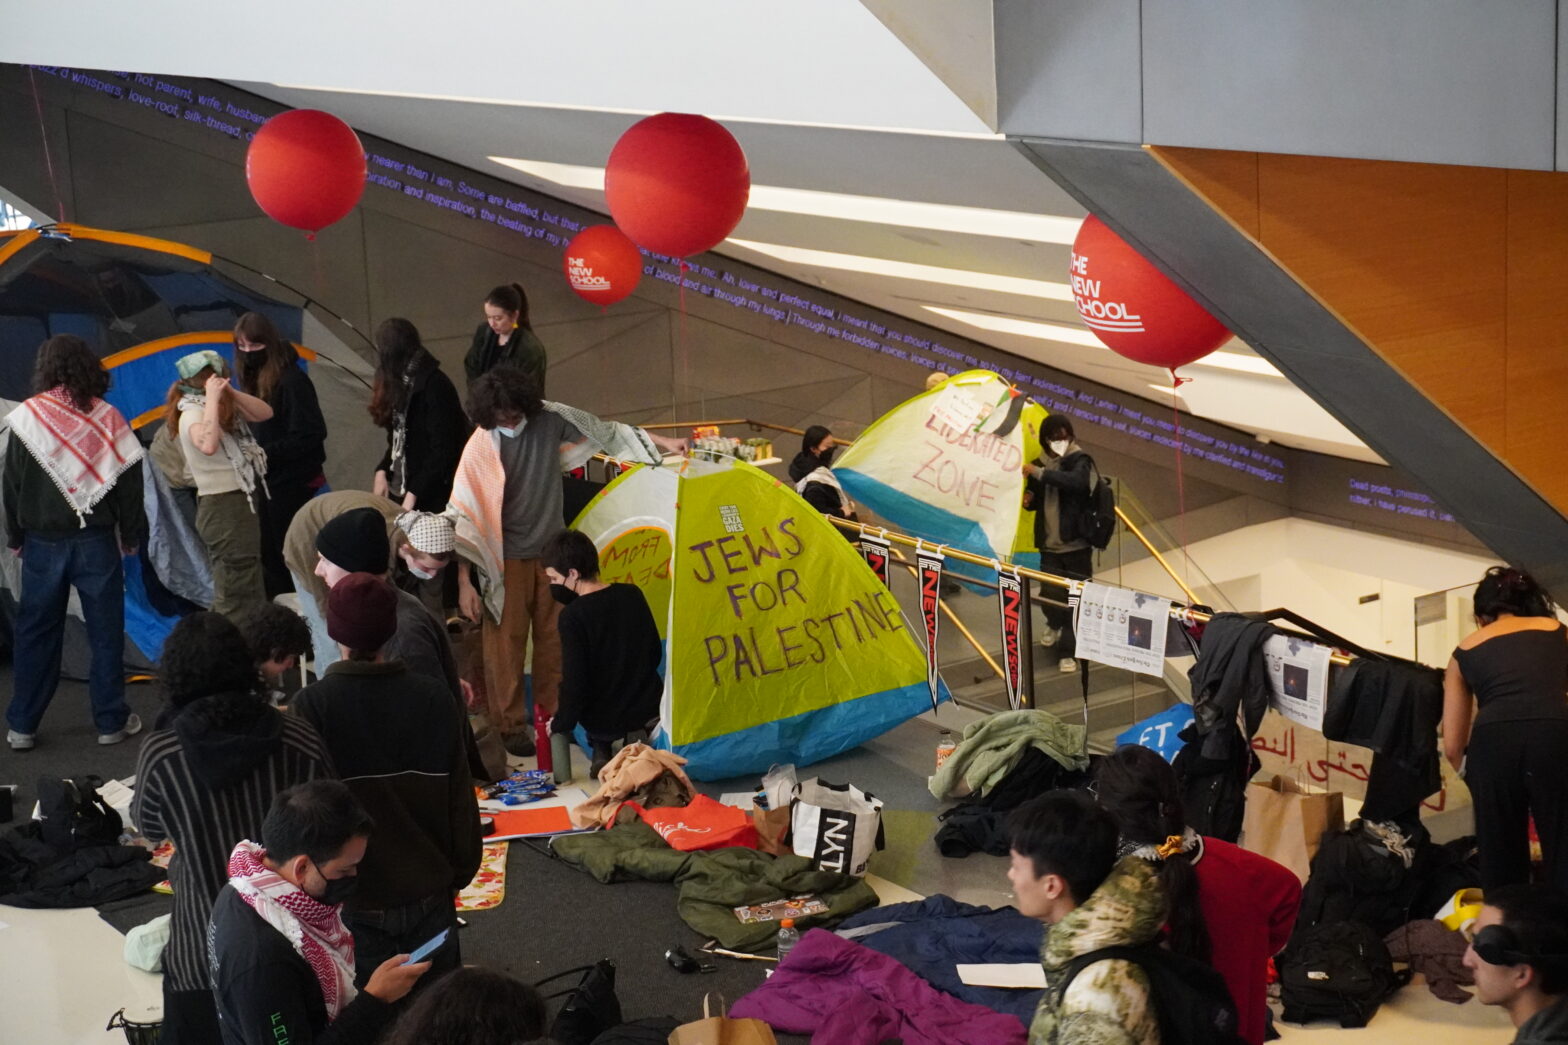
point(1035, 288)
point(939, 217)
point(618, 111)
point(1075, 336)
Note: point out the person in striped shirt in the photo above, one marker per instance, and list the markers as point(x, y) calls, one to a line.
point(205, 778)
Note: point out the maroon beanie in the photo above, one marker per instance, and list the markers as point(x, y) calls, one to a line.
point(362, 612)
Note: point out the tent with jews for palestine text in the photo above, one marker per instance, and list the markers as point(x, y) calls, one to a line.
point(780, 643)
point(947, 466)
point(142, 303)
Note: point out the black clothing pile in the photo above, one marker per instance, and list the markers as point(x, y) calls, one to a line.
point(979, 823)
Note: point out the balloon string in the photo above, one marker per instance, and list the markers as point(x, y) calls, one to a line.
point(1181, 488)
point(681, 347)
point(43, 132)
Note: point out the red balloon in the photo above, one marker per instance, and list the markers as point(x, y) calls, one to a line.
point(1131, 305)
point(602, 265)
point(306, 168)
point(677, 183)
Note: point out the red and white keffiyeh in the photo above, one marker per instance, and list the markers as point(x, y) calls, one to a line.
point(314, 929)
point(84, 453)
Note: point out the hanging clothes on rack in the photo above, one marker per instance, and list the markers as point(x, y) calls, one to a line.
point(1393, 708)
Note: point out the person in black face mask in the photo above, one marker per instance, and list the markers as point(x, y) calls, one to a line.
point(281, 959)
point(397, 740)
point(814, 478)
point(610, 650)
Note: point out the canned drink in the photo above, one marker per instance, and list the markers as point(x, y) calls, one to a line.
point(944, 748)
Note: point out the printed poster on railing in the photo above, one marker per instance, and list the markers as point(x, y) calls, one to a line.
point(876, 551)
point(1122, 628)
point(1298, 679)
point(1010, 603)
point(930, 565)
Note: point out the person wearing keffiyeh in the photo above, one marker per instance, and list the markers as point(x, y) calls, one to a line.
point(281, 959)
point(72, 480)
point(209, 418)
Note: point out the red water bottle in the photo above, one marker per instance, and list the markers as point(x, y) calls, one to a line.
point(542, 738)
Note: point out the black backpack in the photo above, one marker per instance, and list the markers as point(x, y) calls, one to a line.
point(1191, 998)
point(1097, 523)
point(72, 814)
point(1337, 971)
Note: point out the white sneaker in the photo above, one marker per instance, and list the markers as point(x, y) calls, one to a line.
point(133, 726)
point(1050, 636)
point(1066, 665)
point(20, 741)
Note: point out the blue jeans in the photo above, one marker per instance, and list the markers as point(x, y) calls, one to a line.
point(89, 561)
point(326, 648)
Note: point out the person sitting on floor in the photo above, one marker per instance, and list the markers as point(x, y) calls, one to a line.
point(610, 649)
point(1519, 958)
point(277, 637)
point(398, 743)
point(281, 961)
point(205, 776)
point(1065, 873)
point(1230, 908)
point(473, 1006)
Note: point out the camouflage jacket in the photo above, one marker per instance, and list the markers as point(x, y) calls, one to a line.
point(1108, 1002)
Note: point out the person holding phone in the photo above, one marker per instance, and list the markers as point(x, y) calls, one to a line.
point(281, 958)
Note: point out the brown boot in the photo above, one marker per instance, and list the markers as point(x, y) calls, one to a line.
point(520, 744)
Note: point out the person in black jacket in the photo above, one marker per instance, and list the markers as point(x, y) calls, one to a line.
point(1059, 489)
point(399, 744)
point(295, 437)
point(417, 404)
point(205, 779)
point(506, 338)
point(281, 961)
point(813, 476)
point(610, 649)
point(70, 539)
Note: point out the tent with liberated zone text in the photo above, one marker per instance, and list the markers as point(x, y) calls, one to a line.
point(780, 643)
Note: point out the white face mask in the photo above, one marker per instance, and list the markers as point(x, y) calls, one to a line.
point(510, 433)
point(1058, 446)
point(417, 572)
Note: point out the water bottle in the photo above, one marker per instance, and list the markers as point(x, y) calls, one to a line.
point(945, 747)
point(789, 936)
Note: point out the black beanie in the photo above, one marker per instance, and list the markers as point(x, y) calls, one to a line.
point(356, 541)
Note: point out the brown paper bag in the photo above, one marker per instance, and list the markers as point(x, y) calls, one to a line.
point(772, 829)
point(721, 1030)
point(1285, 822)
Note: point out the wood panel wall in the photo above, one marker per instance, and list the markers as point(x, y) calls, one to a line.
point(1457, 276)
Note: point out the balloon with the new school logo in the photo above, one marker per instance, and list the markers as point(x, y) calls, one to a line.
point(781, 645)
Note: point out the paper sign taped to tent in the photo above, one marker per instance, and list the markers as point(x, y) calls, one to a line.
point(1122, 628)
point(781, 644)
point(1298, 679)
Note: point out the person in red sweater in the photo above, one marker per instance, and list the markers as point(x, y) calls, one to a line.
point(1230, 908)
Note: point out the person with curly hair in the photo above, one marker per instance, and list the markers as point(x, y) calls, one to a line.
point(1511, 752)
point(473, 1006)
point(417, 404)
point(73, 507)
point(294, 437)
point(278, 637)
point(205, 778)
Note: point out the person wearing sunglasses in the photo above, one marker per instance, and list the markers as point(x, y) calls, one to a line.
point(1519, 958)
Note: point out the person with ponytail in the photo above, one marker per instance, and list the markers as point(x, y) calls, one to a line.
point(417, 404)
point(1505, 726)
point(506, 338)
point(294, 437)
point(1230, 908)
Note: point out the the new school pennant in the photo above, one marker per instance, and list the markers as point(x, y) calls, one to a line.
point(876, 551)
point(930, 564)
point(1009, 600)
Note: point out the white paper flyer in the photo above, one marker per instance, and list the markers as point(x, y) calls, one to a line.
point(1122, 628)
point(1298, 679)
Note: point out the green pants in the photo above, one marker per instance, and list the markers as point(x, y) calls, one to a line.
point(233, 537)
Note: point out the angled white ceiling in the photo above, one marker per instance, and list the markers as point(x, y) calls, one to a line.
point(821, 95)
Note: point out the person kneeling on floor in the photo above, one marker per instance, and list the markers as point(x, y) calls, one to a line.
point(610, 649)
point(1519, 959)
point(282, 961)
point(398, 743)
point(1065, 873)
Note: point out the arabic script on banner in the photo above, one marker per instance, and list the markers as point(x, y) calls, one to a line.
point(1298, 679)
point(1122, 628)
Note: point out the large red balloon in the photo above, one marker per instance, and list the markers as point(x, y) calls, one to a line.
point(1131, 305)
point(602, 265)
point(677, 183)
point(306, 168)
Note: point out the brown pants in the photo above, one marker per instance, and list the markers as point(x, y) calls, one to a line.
point(528, 605)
